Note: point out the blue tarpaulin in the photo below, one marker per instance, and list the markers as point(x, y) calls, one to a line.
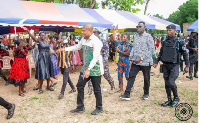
point(193, 26)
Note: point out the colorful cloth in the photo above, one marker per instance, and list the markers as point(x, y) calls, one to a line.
point(117, 44)
point(91, 55)
point(76, 58)
point(123, 64)
point(88, 56)
point(54, 62)
point(63, 57)
point(19, 72)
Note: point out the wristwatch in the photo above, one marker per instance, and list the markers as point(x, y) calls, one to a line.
point(141, 58)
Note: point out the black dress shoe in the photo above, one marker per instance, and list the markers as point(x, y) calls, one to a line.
point(78, 110)
point(11, 111)
point(168, 103)
point(195, 76)
point(97, 111)
point(189, 77)
point(175, 101)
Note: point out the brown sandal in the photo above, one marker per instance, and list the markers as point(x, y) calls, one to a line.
point(55, 77)
point(40, 90)
point(21, 94)
point(35, 88)
point(50, 89)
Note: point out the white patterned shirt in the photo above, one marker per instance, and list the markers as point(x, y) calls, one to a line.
point(143, 46)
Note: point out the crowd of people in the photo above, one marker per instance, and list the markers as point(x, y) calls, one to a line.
point(54, 54)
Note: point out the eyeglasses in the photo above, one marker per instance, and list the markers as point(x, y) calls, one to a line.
point(139, 26)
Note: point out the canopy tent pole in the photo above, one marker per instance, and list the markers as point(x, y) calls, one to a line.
point(9, 39)
point(15, 33)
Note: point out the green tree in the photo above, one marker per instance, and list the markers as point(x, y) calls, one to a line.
point(159, 16)
point(126, 5)
point(188, 12)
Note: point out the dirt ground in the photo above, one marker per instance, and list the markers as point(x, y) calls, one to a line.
point(47, 108)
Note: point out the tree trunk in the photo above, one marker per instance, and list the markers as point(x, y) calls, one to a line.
point(81, 3)
point(93, 4)
point(146, 6)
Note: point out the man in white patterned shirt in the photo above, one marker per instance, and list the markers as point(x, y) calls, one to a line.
point(141, 55)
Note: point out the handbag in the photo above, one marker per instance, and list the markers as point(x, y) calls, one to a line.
point(51, 52)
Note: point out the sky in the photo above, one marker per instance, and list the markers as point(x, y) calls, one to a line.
point(161, 7)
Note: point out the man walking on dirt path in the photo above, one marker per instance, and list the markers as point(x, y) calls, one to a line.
point(91, 70)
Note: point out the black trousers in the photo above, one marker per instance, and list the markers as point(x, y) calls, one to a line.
point(5, 104)
point(66, 78)
point(170, 74)
point(132, 75)
point(96, 83)
point(181, 65)
point(112, 54)
point(195, 64)
point(2, 75)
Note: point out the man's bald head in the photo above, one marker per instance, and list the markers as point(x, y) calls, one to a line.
point(87, 30)
point(88, 26)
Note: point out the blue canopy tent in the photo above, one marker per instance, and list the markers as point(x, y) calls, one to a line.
point(193, 26)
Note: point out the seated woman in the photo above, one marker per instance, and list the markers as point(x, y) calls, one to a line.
point(19, 72)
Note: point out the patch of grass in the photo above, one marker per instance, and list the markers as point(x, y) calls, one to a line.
point(105, 111)
point(162, 86)
point(195, 103)
point(106, 119)
point(130, 121)
point(195, 114)
point(88, 115)
point(38, 109)
point(67, 102)
point(135, 109)
point(190, 95)
point(154, 117)
point(143, 110)
point(156, 101)
point(33, 98)
point(105, 95)
point(143, 119)
point(127, 112)
point(20, 115)
point(168, 121)
point(112, 112)
point(156, 79)
point(64, 115)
